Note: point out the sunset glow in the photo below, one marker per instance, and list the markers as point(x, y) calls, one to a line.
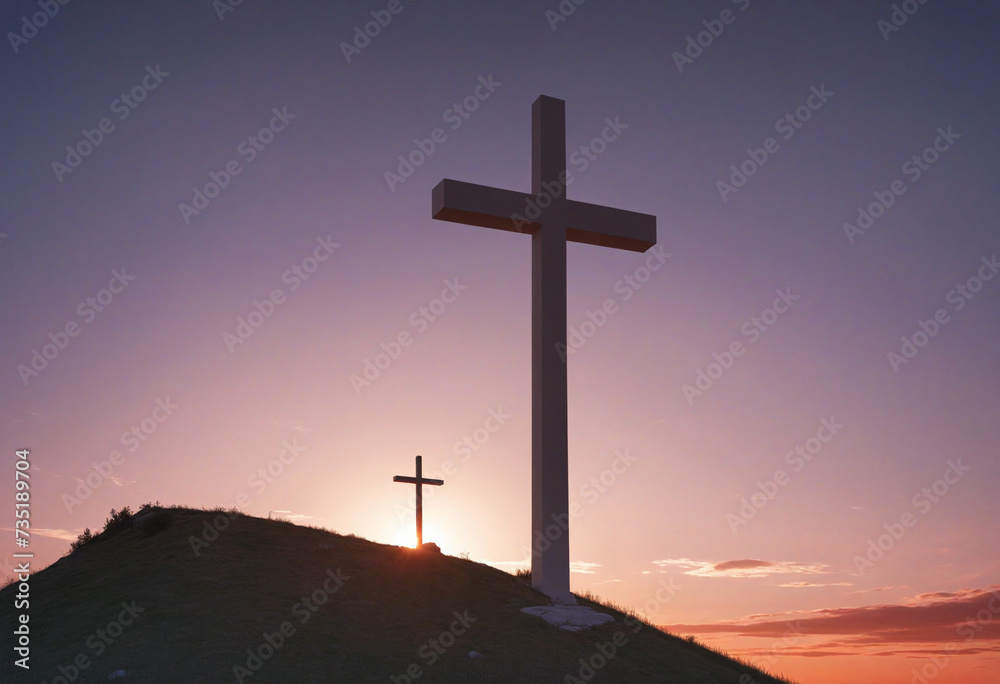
point(782, 418)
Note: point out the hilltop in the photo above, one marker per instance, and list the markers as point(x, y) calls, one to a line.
point(179, 595)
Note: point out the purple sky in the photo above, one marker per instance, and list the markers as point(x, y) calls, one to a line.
point(353, 260)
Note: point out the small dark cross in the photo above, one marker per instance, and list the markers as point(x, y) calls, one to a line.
point(419, 480)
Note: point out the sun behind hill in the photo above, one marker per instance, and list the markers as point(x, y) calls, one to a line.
point(407, 536)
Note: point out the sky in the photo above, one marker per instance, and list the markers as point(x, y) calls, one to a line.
point(222, 285)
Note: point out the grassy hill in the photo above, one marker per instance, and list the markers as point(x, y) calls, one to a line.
point(266, 601)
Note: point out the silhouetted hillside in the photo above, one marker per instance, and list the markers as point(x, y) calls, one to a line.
point(266, 601)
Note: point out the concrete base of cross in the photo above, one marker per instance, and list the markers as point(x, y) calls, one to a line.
point(570, 618)
point(566, 599)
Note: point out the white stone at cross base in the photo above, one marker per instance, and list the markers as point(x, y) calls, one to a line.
point(570, 618)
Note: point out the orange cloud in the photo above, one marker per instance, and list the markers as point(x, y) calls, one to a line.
point(968, 619)
point(746, 567)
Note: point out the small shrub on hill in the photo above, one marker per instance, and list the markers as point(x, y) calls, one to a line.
point(121, 520)
point(85, 538)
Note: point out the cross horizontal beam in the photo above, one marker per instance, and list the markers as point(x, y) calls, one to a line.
point(416, 480)
point(592, 224)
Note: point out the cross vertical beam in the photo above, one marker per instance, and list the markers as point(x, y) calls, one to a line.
point(419, 481)
point(549, 431)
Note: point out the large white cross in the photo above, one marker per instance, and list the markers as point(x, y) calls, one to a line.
point(551, 219)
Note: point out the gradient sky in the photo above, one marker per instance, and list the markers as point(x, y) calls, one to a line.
point(785, 586)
